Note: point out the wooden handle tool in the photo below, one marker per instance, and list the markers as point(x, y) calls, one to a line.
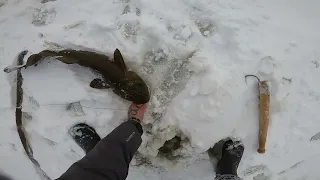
point(264, 103)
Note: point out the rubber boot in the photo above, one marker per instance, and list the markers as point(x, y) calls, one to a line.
point(232, 152)
point(85, 136)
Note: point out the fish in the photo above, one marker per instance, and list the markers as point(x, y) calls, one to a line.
point(115, 74)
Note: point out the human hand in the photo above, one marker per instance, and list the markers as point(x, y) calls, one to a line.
point(137, 111)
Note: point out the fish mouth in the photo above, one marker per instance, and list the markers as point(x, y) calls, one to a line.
point(149, 92)
point(142, 96)
point(142, 99)
point(137, 92)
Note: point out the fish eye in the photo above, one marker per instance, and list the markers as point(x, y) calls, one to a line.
point(132, 84)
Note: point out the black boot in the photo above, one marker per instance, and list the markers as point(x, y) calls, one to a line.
point(85, 136)
point(232, 152)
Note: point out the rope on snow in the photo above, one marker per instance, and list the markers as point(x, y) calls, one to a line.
point(20, 128)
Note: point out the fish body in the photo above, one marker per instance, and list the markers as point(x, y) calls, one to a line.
point(125, 83)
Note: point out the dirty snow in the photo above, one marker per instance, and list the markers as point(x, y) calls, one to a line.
point(194, 55)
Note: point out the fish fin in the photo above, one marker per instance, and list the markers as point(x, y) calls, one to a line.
point(118, 60)
point(99, 84)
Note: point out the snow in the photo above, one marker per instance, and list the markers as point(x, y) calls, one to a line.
point(194, 56)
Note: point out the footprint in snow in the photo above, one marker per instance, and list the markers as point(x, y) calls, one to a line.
point(74, 25)
point(3, 2)
point(122, 1)
point(130, 30)
point(34, 103)
point(259, 172)
point(75, 108)
point(267, 65)
point(260, 176)
point(127, 10)
point(42, 17)
point(206, 27)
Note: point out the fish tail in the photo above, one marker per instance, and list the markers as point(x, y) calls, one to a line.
point(64, 56)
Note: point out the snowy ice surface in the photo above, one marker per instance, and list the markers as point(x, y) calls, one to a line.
point(194, 54)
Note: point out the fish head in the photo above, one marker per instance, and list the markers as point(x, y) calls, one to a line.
point(132, 87)
point(135, 89)
point(138, 92)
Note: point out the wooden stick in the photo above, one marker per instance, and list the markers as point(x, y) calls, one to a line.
point(264, 103)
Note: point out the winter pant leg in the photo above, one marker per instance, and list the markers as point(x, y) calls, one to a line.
point(226, 177)
point(4, 177)
point(110, 158)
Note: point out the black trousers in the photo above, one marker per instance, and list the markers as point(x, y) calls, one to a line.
point(110, 158)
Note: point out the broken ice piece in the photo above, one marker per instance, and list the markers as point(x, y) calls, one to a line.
point(260, 176)
point(76, 108)
point(315, 137)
